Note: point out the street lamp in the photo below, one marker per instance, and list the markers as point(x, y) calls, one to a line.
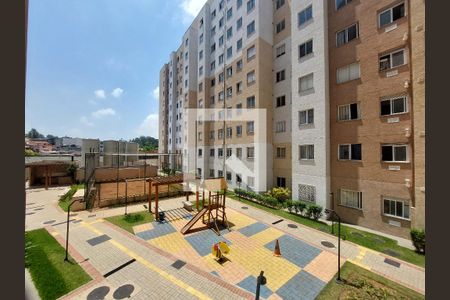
point(260, 280)
point(332, 212)
point(67, 230)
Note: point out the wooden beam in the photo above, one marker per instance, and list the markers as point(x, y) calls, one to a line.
point(150, 196)
point(156, 202)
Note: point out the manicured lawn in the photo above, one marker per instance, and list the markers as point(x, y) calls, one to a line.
point(363, 238)
point(67, 198)
point(128, 221)
point(362, 284)
point(44, 258)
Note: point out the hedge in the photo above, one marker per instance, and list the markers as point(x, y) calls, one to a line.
point(259, 198)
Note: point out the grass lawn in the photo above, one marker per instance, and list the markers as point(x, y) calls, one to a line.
point(363, 238)
point(67, 198)
point(128, 221)
point(44, 258)
point(362, 284)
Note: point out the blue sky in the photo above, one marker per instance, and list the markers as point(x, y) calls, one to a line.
point(93, 65)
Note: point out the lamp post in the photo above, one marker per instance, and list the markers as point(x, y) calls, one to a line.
point(332, 212)
point(260, 280)
point(67, 230)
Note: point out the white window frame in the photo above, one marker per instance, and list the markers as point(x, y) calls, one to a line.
point(390, 54)
point(252, 76)
point(280, 126)
point(307, 54)
point(307, 152)
point(391, 9)
point(307, 118)
point(305, 77)
point(391, 101)
point(391, 199)
point(248, 153)
point(251, 181)
point(280, 50)
point(349, 112)
point(346, 2)
point(252, 131)
point(393, 153)
point(280, 152)
point(347, 68)
point(251, 52)
point(346, 41)
point(358, 196)
point(349, 152)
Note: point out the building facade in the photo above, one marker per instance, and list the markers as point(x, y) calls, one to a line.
point(341, 87)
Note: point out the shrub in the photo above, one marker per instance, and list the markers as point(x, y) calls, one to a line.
point(279, 193)
point(289, 204)
point(299, 207)
point(314, 211)
point(418, 239)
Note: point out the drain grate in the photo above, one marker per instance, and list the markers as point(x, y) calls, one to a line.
point(91, 216)
point(123, 291)
point(98, 293)
point(76, 221)
point(119, 268)
point(276, 222)
point(37, 209)
point(292, 226)
point(391, 252)
point(30, 213)
point(327, 244)
point(98, 240)
point(49, 222)
point(244, 207)
point(178, 264)
point(31, 203)
point(392, 262)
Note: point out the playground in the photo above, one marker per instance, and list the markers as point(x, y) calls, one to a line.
point(236, 247)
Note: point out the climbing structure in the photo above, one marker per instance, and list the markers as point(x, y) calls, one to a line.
point(213, 213)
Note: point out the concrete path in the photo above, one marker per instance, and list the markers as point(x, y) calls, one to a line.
point(30, 290)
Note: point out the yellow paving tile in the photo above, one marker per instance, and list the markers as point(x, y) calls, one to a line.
point(173, 242)
point(320, 266)
point(238, 220)
point(266, 236)
point(143, 227)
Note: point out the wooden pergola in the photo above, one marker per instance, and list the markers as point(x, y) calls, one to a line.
point(156, 182)
point(49, 167)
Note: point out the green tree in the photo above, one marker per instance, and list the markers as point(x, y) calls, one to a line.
point(34, 134)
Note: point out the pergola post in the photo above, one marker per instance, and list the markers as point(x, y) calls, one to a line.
point(156, 202)
point(149, 195)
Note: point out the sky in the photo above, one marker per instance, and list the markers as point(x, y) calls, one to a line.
point(93, 65)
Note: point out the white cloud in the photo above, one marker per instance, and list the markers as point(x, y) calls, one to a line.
point(103, 113)
point(149, 127)
point(155, 93)
point(84, 120)
point(191, 8)
point(117, 92)
point(100, 94)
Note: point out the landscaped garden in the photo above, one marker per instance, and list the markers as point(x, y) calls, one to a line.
point(52, 276)
point(278, 203)
point(358, 283)
point(128, 221)
point(65, 200)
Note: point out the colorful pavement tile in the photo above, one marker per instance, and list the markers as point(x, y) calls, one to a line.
point(159, 229)
point(203, 241)
point(249, 284)
point(253, 229)
point(302, 286)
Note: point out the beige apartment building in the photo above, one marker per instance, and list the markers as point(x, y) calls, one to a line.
point(341, 85)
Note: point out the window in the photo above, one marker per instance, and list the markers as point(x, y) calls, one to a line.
point(307, 192)
point(250, 127)
point(239, 45)
point(221, 96)
point(341, 3)
point(305, 15)
point(229, 152)
point(392, 60)
point(200, 71)
point(229, 176)
point(279, 3)
point(200, 54)
point(200, 103)
point(229, 92)
point(306, 117)
point(220, 173)
point(239, 3)
point(281, 101)
point(229, 72)
point(211, 137)
point(351, 198)
point(221, 77)
point(281, 152)
point(281, 182)
point(348, 112)
point(394, 153)
point(306, 152)
point(186, 42)
point(200, 38)
point(392, 14)
point(238, 178)
point(396, 208)
point(220, 153)
point(239, 87)
point(251, 77)
point(251, 102)
point(306, 82)
point(350, 152)
point(220, 59)
point(221, 22)
point(250, 181)
point(229, 33)
point(221, 40)
point(251, 52)
point(348, 34)
point(200, 152)
point(239, 23)
point(213, 47)
point(230, 52)
point(280, 76)
point(186, 70)
point(200, 87)
point(239, 152)
point(211, 100)
point(199, 172)
point(186, 55)
point(347, 73)
point(239, 65)
point(221, 4)
point(305, 49)
point(213, 31)
point(211, 173)
point(250, 152)
point(213, 82)
point(280, 50)
point(239, 130)
point(250, 28)
point(239, 109)
point(213, 14)
point(280, 126)
point(250, 5)
point(393, 106)
point(229, 13)
point(280, 26)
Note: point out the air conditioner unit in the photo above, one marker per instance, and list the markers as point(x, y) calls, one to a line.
point(384, 64)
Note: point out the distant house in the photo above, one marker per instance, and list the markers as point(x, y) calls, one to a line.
point(39, 146)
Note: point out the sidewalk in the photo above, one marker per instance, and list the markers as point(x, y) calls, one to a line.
point(405, 273)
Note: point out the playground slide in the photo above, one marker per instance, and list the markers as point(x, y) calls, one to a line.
point(193, 220)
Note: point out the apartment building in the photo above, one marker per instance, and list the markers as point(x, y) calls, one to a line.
point(341, 84)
